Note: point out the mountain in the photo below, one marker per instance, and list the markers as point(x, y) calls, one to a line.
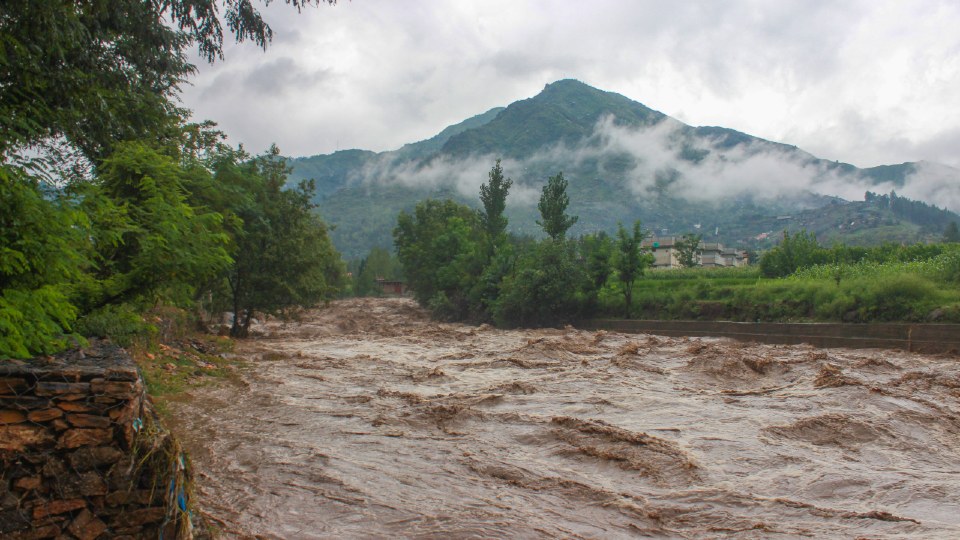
point(625, 161)
point(565, 112)
point(332, 171)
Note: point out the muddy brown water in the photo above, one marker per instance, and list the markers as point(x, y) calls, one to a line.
point(368, 420)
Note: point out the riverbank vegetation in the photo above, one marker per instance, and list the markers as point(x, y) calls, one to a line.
point(113, 205)
point(461, 269)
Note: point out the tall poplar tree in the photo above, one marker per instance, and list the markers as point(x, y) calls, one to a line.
point(493, 195)
point(553, 207)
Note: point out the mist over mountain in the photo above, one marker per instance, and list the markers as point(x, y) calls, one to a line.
point(625, 161)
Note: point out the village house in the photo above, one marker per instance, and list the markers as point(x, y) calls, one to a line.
point(709, 254)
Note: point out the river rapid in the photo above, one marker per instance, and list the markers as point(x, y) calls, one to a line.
point(367, 420)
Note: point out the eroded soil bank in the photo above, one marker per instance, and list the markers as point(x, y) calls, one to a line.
point(368, 420)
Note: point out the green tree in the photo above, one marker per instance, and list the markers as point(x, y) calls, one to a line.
point(283, 260)
point(547, 287)
point(952, 233)
point(79, 81)
point(44, 247)
point(688, 247)
point(151, 244)
point(485, 292)
point(839, 255)
point(597, 252)
point(553, 206)
point(93, 72)
point(631, 261)
point(438, 247)
point(498, 256)
point(798, 250)
point(493, 196)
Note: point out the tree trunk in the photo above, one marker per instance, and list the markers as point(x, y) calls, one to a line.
point(237, 330)
point(233, 280)
point(248, 315)
point(628, 298)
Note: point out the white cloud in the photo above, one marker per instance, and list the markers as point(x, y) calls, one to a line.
point(760, 170)
point(868, 82)
point(934, 184)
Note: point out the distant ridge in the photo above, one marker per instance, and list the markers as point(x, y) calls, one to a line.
point(624, 161)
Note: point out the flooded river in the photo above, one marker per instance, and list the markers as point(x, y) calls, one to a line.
point(367, 419)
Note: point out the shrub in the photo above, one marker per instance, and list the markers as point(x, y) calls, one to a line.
point(903, 297)
point(120, 322)
point(548, 288)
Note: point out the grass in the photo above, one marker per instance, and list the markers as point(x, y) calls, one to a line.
point(178, 367)
point(172, 355)
point(942, 267)
point(911, 291)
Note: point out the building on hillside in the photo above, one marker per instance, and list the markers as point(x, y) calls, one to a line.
point(709, 254)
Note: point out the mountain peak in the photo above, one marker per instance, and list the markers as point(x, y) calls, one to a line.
point(566, 111)
point(567, 84)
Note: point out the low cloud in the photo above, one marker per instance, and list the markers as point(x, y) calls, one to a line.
point(463, 175)
point(666, 158)
point(761, 170)
point(933, 183)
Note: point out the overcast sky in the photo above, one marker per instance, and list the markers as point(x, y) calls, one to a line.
point(867, 82)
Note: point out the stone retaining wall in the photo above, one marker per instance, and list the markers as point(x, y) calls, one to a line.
point(82, 453)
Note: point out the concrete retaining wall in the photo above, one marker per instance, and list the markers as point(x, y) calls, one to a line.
point(925, 338)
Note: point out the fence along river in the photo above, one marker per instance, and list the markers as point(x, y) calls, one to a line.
point(366, 419)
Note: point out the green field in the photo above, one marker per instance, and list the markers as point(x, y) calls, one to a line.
point(865, 291)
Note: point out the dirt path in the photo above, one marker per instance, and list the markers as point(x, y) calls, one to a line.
point(369, 420)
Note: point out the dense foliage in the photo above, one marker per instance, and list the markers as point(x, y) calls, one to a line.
point(548, 286)
point(160, 244)
point(440, 248)
point(493, 196)
point(148, 230)
point(795, 251)
point(42, 253)
point(461, 265)
point(111, 205)
point(283, 257)
point(919, 212)
point(951, 233)
point(802, 250)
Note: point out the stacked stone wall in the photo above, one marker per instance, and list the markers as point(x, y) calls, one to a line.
point(82, 453)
